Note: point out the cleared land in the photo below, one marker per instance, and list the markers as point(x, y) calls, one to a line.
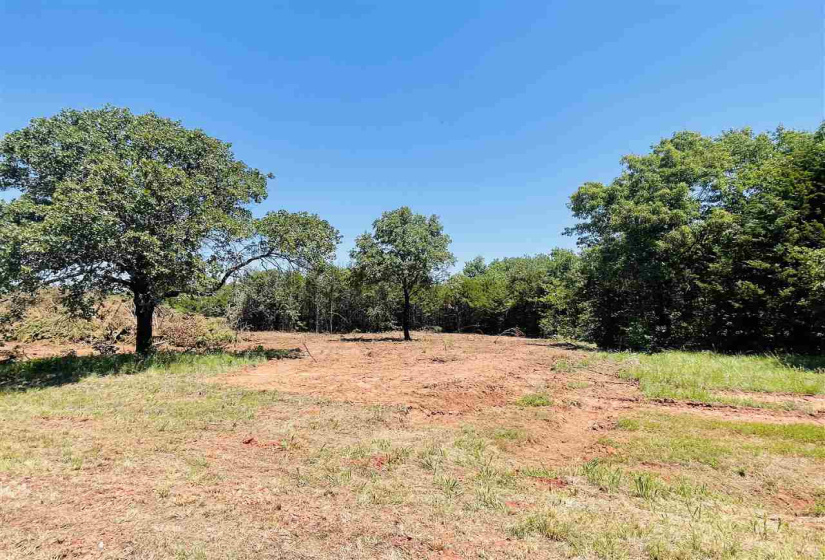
point(452, 446)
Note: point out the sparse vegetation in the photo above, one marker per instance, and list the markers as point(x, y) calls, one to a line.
point(176, 439)
point(131, 229)
point(535, 399)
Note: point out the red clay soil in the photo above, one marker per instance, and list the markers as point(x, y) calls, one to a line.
point(470, 379)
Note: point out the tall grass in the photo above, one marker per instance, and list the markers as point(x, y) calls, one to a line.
point(696, 375)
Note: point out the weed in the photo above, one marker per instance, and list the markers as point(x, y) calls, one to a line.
point(432, 457)
point(487, 497)
point(534, 399)
point(451, 487)
point(504, 437)
point(398, 455)
point(605, 478)
point(538, 472)
point(564, 365)
point(646, 486)
point(628, 424)
point(545, 524)
point(818, 509)
point(471, 443)
point(577, 384)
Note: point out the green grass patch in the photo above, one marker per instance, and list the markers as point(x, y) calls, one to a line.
point(49, 372)
point(578, 385)
point(535, 399)
point(698, 376)
point(818, 509)
point(159, 398)
point(545, 525)
point(720, 444)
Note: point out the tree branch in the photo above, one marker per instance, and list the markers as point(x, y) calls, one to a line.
point(272, 254)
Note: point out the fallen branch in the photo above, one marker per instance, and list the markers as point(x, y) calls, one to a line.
point(515, 331)
point(308, 352)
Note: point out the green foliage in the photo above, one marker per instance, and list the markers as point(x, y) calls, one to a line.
point(407, 249)
point(703, 242)
point(117, 202)
point(267, 301)
point(708, 241)
point(536, 294)
point(208, 305)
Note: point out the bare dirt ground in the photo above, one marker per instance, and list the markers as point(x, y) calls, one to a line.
point(450, 377)
point(369, 447)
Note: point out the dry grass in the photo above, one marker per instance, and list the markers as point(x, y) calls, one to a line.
point(47, 320)
point(169, 460)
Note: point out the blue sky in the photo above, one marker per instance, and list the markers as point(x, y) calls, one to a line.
point(489, 114)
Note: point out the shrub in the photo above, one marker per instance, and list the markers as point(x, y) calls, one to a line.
point(47, 320)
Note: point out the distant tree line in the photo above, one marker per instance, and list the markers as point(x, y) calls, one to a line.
point(703, 242)
point(485, 298)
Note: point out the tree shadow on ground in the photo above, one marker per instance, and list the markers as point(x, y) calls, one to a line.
point(566, 346)
point(808, 362)
point(381, 339)
point(40, 373)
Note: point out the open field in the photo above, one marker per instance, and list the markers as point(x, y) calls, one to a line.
point(451, 446)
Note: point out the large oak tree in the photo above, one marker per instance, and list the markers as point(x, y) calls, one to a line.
point(111, 201)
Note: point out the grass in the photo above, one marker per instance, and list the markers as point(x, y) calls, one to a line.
point(161, 455)
point(719, 444)
point(543, 524)
point(705, 376)
point(107, 399)
point(535, 399)
point(56, 371)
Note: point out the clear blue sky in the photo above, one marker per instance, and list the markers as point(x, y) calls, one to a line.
point(489, 114)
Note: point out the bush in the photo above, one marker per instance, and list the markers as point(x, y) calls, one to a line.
point(192, 332)
point(47, 320)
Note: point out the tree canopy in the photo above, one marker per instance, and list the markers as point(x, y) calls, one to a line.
point(709, 242)
point(704, 242)
point(408, 249)
point(111, 201)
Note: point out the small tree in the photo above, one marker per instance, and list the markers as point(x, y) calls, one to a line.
point(408, 249)
point(116, 202)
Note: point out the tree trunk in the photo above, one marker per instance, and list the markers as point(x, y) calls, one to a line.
point(405, 319)
point(144, 311)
